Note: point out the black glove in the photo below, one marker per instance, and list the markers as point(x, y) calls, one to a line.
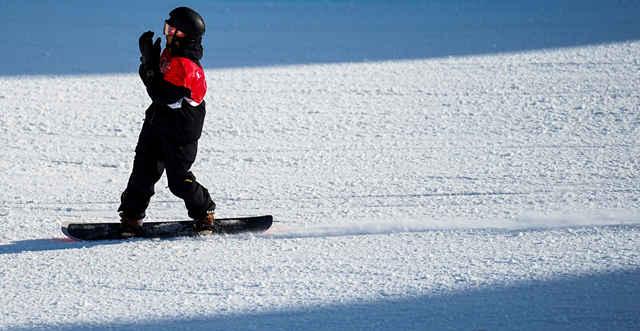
point(149, 57)
point(150, 52)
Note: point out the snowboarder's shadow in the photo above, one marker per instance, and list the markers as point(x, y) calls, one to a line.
point(49, 244)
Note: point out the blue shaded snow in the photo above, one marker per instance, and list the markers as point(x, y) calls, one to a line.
point(87, 37)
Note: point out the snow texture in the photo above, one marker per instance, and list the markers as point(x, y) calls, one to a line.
point(430, 166)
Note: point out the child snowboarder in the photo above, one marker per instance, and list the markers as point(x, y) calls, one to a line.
point(168, 140)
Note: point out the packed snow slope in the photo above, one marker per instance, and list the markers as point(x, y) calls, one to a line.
point(482, 191)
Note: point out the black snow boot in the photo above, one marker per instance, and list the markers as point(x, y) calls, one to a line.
point(205, 224)
point(131, 227)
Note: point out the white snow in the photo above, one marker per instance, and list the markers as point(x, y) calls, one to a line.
point(478, 191)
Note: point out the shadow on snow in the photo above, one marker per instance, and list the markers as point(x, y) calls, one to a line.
point(280, 231)
point(40, 245)
point(80, 37)
point(609, 301)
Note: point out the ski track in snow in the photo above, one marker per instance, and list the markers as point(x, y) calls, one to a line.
point(450, 192)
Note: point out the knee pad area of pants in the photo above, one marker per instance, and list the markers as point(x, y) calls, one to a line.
point(182, 185)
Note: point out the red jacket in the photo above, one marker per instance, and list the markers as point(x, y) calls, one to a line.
point(183, 72)
point(178, 109)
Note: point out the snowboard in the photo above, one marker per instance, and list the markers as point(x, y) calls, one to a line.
point(165, 229)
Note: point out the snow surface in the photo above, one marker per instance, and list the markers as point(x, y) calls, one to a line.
point(482, 191)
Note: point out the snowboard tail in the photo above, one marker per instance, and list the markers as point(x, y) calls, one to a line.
point(166, 229)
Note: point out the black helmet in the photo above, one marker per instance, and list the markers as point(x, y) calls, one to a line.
point(188, 21)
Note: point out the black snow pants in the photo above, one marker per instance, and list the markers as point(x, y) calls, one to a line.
point(156, 153)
